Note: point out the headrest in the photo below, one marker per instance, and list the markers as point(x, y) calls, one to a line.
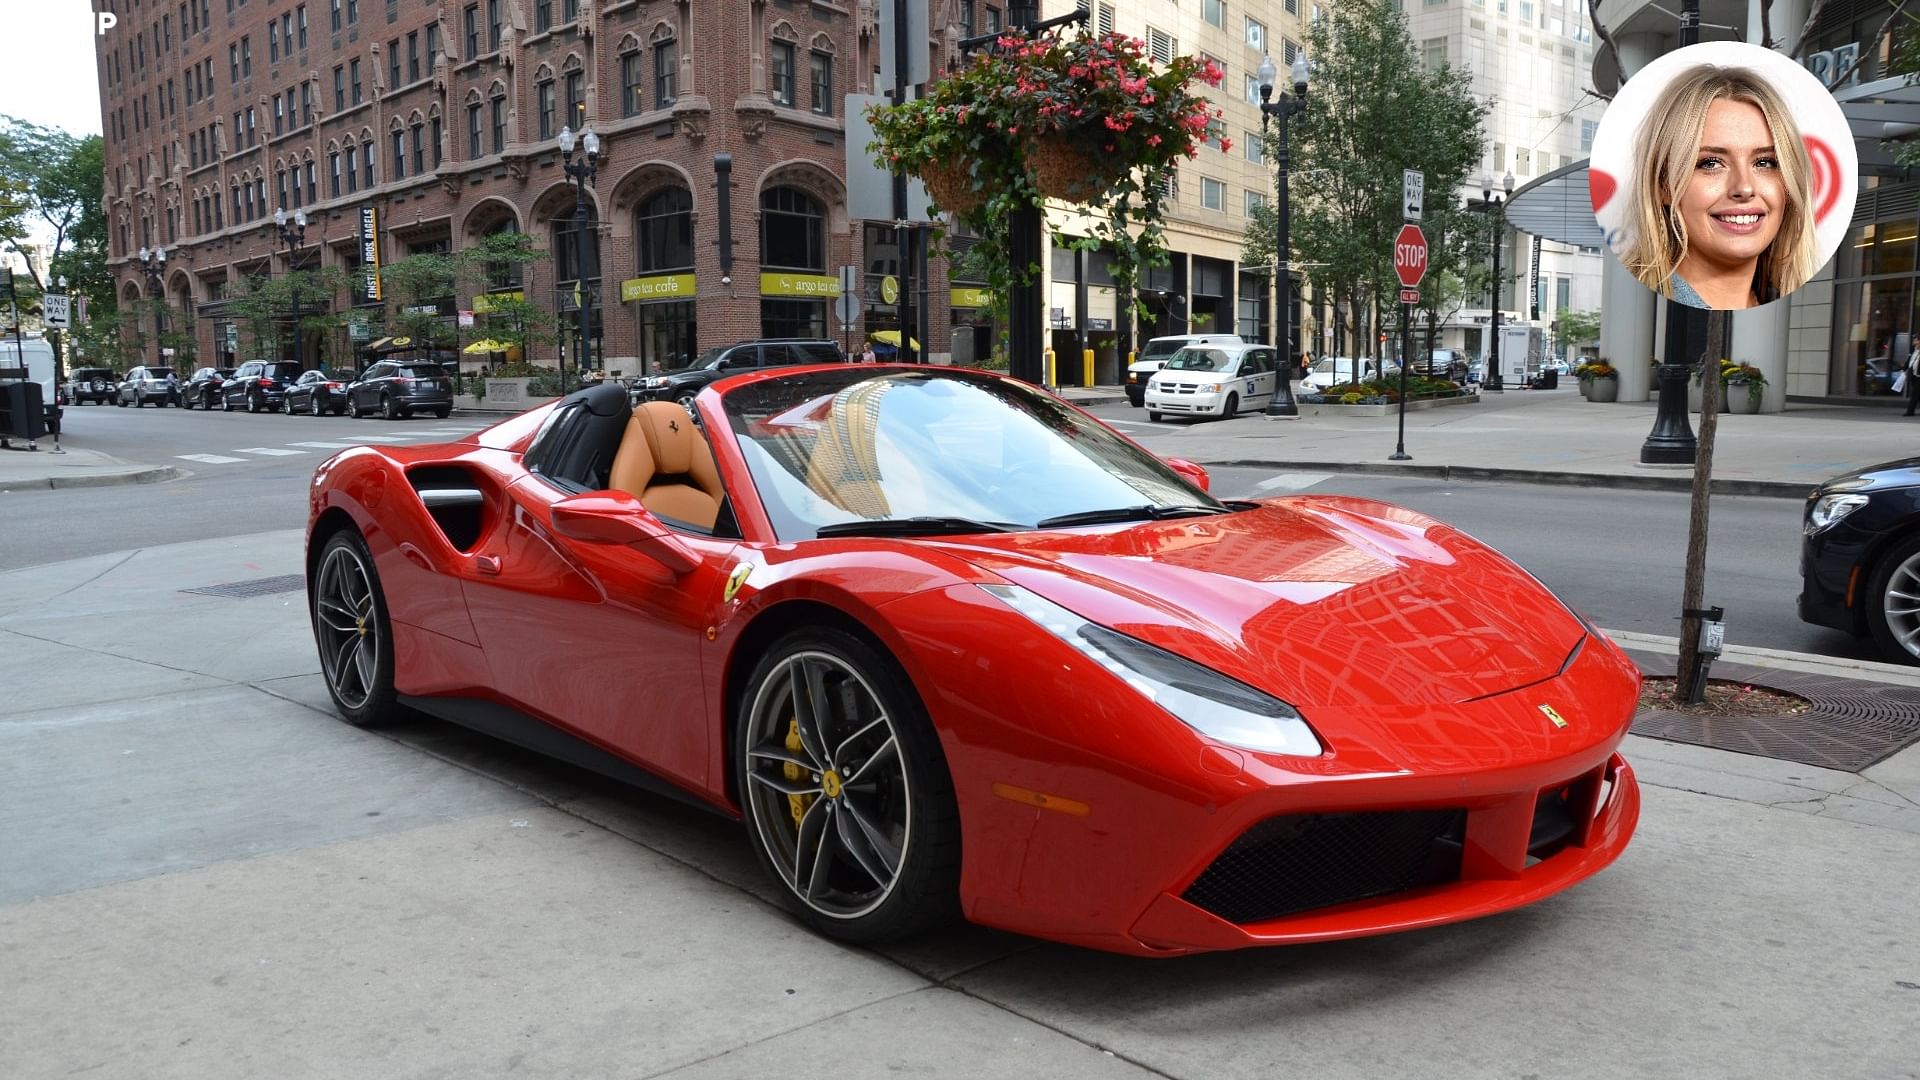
point(670, 435)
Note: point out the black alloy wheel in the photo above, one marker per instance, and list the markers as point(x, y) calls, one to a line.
point(353, 632)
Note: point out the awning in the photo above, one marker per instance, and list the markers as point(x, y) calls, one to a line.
point(486, 345)
point(1556, 207)
point(891, 337)
point(395, 344)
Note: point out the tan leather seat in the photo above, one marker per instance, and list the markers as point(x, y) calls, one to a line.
point(665, 463)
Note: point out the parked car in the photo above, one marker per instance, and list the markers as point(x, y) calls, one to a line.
point(1860, 557)
point(259, 385)
point(95, 384)
point(397, 389)
point(1213, 380)
point(682, 384)
point(1440, 364)
point(952, 625)
point(202, 388)
point(1155, 355)
point(319, 393)
point(1331, 371)
point(156, 386)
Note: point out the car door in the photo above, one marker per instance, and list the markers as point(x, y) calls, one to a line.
point(365, 394)
point(1263, 377)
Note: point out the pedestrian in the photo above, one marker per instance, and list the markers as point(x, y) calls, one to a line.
point(866, 354)
point(1911, 373)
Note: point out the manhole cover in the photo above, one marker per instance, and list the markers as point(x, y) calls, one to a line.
point(1852, 724)
point(265, 586)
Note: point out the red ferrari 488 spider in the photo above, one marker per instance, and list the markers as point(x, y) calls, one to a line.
point(949, 645)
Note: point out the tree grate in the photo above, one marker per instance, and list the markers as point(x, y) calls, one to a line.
point(266, 586)
point(1853, 723)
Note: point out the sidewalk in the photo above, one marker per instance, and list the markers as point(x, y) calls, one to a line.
point(71, 466)
point(1544, 436)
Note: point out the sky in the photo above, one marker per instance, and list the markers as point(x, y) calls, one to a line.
point(48, 76)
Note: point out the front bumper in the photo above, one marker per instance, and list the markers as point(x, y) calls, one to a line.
point(1185, 404)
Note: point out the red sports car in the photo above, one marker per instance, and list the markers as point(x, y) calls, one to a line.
point(949, 645)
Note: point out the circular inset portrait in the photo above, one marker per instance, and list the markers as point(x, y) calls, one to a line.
point(1723, 175)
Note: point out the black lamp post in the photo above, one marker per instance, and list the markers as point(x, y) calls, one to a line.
point(1282, 403)
point(154, 262)
point(1495, 204)
point(293, 234)
point(581, 173)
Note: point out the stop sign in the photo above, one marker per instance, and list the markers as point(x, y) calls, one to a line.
point(1410, 255)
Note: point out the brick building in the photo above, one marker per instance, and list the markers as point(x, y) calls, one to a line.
point(442, 116)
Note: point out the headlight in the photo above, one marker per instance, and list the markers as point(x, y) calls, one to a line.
point(1829, 509)
point(1205, 700)
point(1207, 390)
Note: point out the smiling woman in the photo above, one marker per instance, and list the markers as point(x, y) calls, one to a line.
point(1721, 204)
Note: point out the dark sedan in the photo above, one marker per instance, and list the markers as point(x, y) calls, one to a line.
point(259, 385)
point(202, 390)
point(1860, 560)
point(397, 389)
point(318, 393)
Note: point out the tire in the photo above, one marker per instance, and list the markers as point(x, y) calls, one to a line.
point(314, 406)
point(254, 404)
point(443, 412)
point(1153, 417)
point(120, 402)
point(685, 401)
point(387, 408)
point(352, 632)
point(1233, 407)
point(1893, 602)
point(226, 403)
point(870, 859)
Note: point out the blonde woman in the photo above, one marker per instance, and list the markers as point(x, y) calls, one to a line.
point(1721, 205)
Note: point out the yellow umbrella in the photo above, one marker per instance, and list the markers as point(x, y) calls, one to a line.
point(486, 345)
point(891, 337)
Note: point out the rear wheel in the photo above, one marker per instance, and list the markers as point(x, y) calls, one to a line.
point(316, 408)
point(443, 412)
point(847, 799)
point(354, 635)
point(254, 403)
point(1893, 602)
point(390, 408)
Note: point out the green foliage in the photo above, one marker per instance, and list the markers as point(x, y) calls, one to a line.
point(265, 306)
point(1372, 111)
point(51, 183)
point(1579, 327)
point(1904, 60)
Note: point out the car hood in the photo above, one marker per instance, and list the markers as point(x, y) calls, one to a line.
point(1887, 474)
point(1320, 601)
point(1146, 365)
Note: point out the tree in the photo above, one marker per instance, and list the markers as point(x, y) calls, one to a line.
point(1372, 112)
point(52, 181)
point(1579, 327)
point(265, 306)
point(418, 281)
point(511, 319)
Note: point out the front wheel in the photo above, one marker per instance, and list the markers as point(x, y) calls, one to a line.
point(685, 401)
point(1893, 602)
point(1153, 417)
point(354, 635)
point(1233, 407)
point(847, 800)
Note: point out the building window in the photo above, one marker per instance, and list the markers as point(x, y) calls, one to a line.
point(300, 19)
point(1256, 34)
point(567, 234)
point(334, 15)
point(1255, 200)
point(280, 187)
point(353, 169)
point(569, 10)
point(353, 12)
point(333, 174)
point(413, 56)
point(339, 88)
point(543, 96)
point(630, 102)
point(366, 155)
point(433, 130)
point(233, 61)
point(1433, 53)
point(822, 83)
point(993, 19)
point(273, 42)
point(666, 61)
point(542, 16)
point(393, 63)
point(306, 103)
point(473, 130)
point(499, 123)
point(399, 156)
point(433, 45)
point(1587, 128)
point(313, 184)
point(470, 22)
point(1213, 194)
point(577, 100)
point(782, 73)
point(298, 198)
point(792, 230)
point(1253, 149)
point(663, 228)
point(353, 80)
point(1215, 12)
point(493, 25)
point(966, 18)
point(419, 150)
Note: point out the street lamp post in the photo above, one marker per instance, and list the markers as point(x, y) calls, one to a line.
point(581, 173)
point(1282, 403)
point(1495, 204)
point(293, 234)
point(154, 262)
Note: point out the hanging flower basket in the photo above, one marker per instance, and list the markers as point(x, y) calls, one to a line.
point(1063, 170)
point(950, 182)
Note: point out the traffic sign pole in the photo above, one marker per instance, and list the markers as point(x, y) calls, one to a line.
point(1410, 264)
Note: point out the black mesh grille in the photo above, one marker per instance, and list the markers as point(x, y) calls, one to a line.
point(1300, 862)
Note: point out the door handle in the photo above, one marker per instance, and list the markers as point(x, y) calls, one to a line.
point(486, 564)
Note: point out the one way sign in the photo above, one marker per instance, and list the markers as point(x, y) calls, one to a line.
point(1413, 191)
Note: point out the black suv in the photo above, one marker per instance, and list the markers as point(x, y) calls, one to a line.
point(399, 388)
point(681, 384)
point(95, 384)
point(260, 385)
point(202, 391)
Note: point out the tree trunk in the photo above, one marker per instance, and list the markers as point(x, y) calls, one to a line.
point(1694, 588)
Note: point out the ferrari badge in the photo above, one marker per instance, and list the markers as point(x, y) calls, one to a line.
point(736, 579)
point(1558, 720)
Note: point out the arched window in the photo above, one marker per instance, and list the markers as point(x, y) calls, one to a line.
point(663, 230)
point(503, 275)
point(569, 232)
point(792, 230)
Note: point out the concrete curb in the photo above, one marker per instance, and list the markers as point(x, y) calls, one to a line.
point(1774, 489)
point(1839, 667)
point(156, 475)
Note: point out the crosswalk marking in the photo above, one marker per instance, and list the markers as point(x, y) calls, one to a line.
point(326, 445)
point(383, 438)
point(209, 459)
point(268, 451)
point(1299, 481)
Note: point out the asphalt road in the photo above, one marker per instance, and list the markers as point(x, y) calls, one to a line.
point(1617, 555)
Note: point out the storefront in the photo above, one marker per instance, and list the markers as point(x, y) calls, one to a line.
point(664, 320)
point(1874, 296)
point(795, 287)
point(972, 320)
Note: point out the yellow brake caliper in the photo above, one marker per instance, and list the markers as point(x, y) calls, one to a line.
point(797, 804)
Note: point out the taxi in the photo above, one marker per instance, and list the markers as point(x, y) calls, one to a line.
point(1215, 380)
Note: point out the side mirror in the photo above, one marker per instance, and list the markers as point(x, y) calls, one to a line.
point(615, 517)
point(1191, 471)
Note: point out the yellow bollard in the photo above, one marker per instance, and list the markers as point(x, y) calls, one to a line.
point(1051, 380)
point(1086, 361)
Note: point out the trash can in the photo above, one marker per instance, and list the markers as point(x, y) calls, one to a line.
point(22, 414)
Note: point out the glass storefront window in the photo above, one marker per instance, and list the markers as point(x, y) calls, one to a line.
point(667, 336)
point(793, 318)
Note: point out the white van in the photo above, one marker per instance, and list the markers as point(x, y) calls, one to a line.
point(1157, 352)
point(30, 356)
point(1214, 380)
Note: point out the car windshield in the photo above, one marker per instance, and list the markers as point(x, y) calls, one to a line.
point(705, 360)
point(831, 448)
point(1160, 350)
point(1200, 359)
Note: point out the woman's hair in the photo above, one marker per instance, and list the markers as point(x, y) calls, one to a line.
point(1665, 155)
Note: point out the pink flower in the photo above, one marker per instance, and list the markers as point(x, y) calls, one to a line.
point(1153, 140)
point(1225, 145)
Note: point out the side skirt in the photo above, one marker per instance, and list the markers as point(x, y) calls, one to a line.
point(511, 725)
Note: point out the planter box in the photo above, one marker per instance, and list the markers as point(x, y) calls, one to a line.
point(1740, 400)
point(1586, 388)
point(1603, 390)
point(1309, 409)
